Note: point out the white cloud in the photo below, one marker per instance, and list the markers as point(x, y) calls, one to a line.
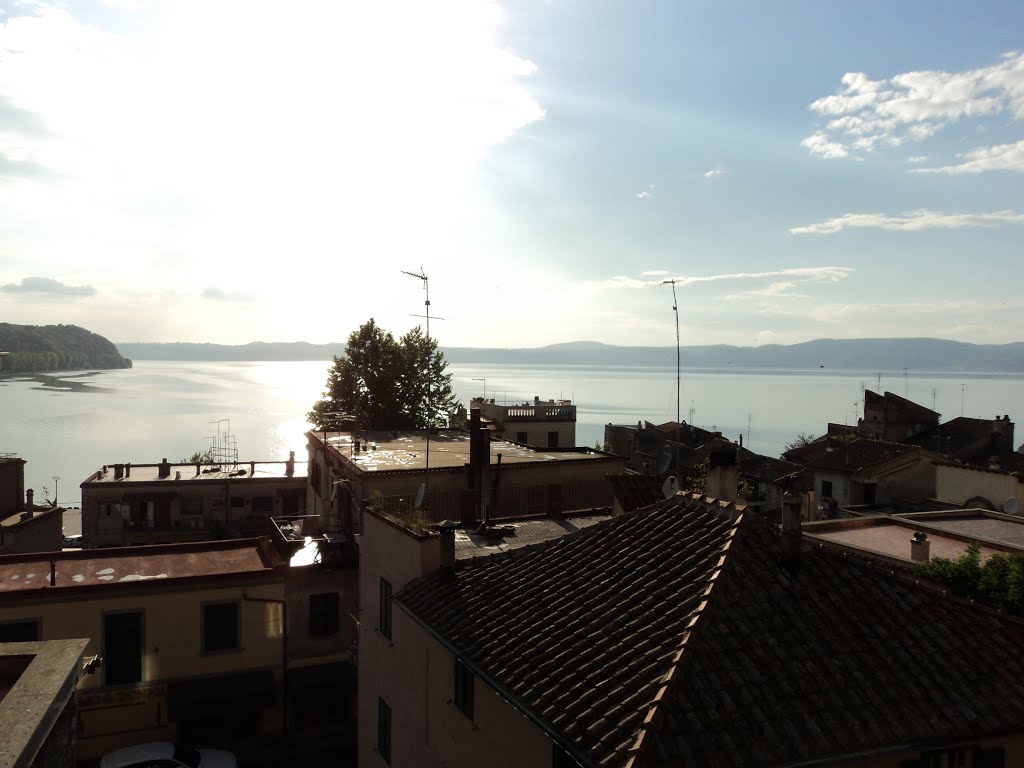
point(865, 114)
point(779, 289)
point(797, 274)
point(217, 294)
point(1003, 157)
point(915, 159)
point(819, 145)
point(713, 173)
point(654, 272)
point(47, 285)
point(188, 140)
point(911, 221)
point(649, 192)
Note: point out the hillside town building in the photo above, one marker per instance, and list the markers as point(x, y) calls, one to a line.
point(128, 504)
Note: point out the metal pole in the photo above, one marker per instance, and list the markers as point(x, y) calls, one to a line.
point(675, 308)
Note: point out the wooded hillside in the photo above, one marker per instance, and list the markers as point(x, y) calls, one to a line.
point(41, 348)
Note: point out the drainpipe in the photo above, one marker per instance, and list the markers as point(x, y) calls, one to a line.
point(284, 656)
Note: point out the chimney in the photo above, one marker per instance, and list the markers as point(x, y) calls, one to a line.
point(252, 468)
point(479, 458)
point(53, 573)
point(30, 499)
point(792, 533)
point(127, 470)
point(920, 547)
point(723, 473)
point(447, 531)
point(164, 469)
point(118, 471)
point(197, 469)
point(289, 467)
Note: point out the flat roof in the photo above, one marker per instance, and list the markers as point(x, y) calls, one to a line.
point(243, 470)
point(519, 533)
point(976, 524)
point(38, 512)
point(891, 536)
point(396, 451)
point(121, 565)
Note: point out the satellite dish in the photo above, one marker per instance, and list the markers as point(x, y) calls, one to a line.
point(670, 487)
point(664, 459)
point(420, 493)
point(1011, 506)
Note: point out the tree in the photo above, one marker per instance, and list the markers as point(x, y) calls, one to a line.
point(199, 457)
point(384, 383)
point(804, 438)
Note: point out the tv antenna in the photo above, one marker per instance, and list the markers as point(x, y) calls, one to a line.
point(675, 309)
point(422, 276)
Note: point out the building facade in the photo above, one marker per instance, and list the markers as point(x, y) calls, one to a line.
point(128, 504)
point(541, 424)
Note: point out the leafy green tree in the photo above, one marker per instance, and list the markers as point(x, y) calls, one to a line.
point(998, 582)
point(199, 457)
point(384, 383)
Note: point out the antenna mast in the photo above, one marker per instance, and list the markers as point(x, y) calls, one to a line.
point(675, 308)
point(421, 275)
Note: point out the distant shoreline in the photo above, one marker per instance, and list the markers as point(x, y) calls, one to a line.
point(883, 355)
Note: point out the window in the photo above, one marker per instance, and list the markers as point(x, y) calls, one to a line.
point(323, 613)
point(122, 648)
point(384, 730)
point(464, 689)
point(19, 632)
point(385, 608)
point(553, 439)
point(263, 505)
point(192, 506)
point(220, 627)
point(826, 489)
point(521, 437)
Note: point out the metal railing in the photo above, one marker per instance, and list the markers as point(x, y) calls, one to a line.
point(505, 503)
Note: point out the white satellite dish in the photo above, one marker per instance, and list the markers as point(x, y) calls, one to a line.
point(670, 487)
point(1012, 506)
point(664, 459)
point(420, 493)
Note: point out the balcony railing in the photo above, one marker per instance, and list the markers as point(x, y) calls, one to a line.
point(508, 503)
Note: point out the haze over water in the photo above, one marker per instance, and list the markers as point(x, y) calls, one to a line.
point(171, 409)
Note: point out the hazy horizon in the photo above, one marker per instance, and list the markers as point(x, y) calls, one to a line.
point(240, 170)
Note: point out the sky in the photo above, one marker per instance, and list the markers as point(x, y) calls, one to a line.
point(231, 171)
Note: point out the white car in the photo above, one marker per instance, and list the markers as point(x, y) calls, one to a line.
point(164, 754)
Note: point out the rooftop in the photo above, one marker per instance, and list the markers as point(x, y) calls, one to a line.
point(397, 451)
point(150, 473)
point(511, 534)
point(890, 537)
point(77, 569)
point(673, 636)
point(38, 513)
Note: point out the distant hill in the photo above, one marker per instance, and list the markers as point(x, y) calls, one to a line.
point(847, 354)
point(41, 348)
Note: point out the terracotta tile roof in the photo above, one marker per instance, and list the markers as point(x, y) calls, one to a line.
point(847, 453)
point(633, 491)
point(670, 636)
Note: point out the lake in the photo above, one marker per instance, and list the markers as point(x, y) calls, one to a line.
point(71, 424)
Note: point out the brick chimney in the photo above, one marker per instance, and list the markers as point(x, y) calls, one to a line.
point(30, 499)
point(163, 469)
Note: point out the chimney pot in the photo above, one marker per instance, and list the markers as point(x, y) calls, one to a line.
point(920, 547)
point(447, 532)
point(30, 499)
